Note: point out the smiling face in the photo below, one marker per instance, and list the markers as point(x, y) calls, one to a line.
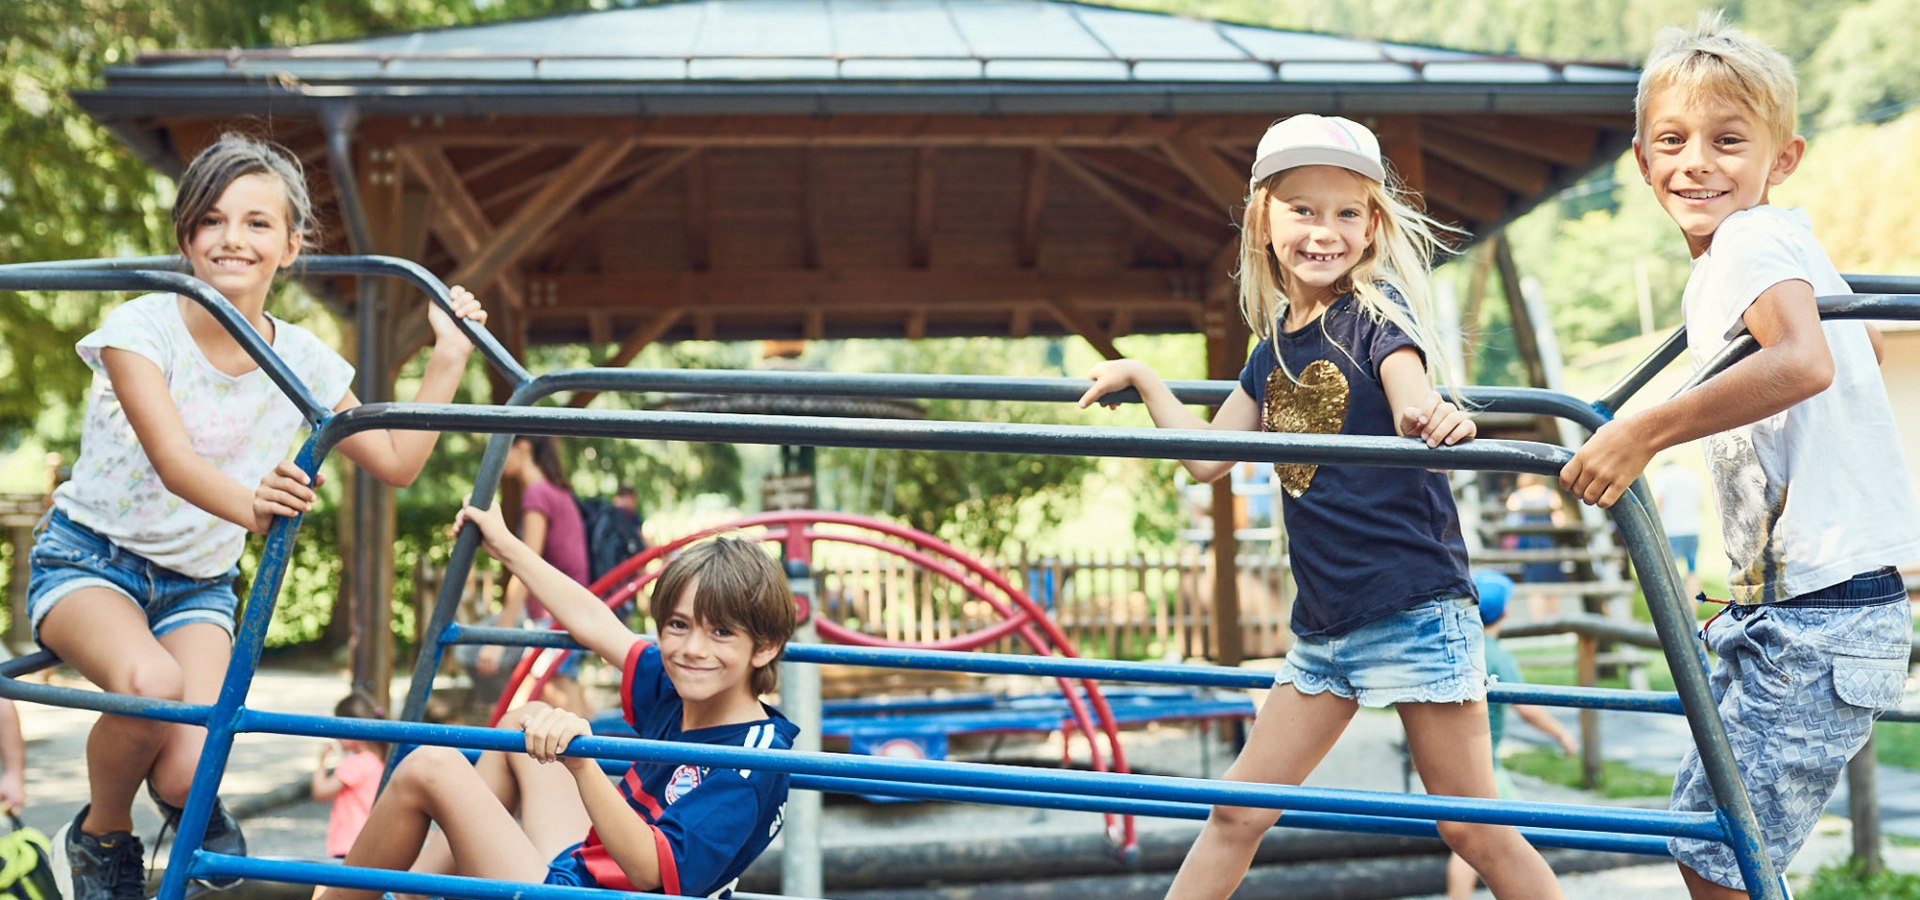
point(1707, 158)
point(711, 665)
point(244, 239)
point(1319, 226)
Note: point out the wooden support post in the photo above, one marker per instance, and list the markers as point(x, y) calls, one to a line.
point(1863, 807)
point(1523, 336)
point(19, 630)
point(1587, 666)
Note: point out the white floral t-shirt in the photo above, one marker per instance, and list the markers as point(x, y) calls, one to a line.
point(242, 424)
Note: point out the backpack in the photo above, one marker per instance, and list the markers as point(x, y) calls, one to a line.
point(26, 864)
point(611, 537)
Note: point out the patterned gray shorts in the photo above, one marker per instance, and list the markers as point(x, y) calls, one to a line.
point(1798, 688)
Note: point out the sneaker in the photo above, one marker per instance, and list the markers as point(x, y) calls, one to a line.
point(107, 866)
point(223, 834)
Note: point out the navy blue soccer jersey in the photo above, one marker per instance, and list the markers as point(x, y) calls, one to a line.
point(708, 824)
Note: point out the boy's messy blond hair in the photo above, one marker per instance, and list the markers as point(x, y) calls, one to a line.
point(1715, 60)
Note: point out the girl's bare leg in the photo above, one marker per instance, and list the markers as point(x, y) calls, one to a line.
point(1291, 735)
point(1453, 751)
point(437, 785)
point(202, 650)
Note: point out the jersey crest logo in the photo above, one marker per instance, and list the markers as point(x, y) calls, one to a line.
point(684, 780)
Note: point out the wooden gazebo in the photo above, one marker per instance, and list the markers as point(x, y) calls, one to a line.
point(747, 169)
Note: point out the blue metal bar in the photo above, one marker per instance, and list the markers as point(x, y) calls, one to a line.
point(1539, 837)
point(406, 270)
point(27, 277)
point(1098, 669)
point(230, 706)
point(981, 775)
point(289, 871)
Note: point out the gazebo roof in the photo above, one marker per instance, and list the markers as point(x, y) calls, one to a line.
point(868, 56)
point(743, 169)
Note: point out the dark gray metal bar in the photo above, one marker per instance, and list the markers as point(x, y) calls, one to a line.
point(34, 278)
point(1896, 307)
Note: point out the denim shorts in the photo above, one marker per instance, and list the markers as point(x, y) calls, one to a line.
point(68, 556)
point(1798, 684)
point(1432, 653)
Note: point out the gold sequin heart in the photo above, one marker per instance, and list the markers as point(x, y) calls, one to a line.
point(1315, 404)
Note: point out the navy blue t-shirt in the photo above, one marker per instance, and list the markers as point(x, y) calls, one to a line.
point(1365, 542)
point(708, 824)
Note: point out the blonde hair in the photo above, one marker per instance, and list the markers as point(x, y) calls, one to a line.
point(1406, 241)
point(1715, 60)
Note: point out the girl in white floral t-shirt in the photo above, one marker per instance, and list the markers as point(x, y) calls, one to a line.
point(183, 452)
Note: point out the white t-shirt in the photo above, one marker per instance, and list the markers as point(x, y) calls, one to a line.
point(1818, 493)
point(242, 424)
point(1677, 489)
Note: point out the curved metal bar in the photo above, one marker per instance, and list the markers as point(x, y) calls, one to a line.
point(1895, 307)
point(406, 270)
point(42, 278)
point(1643, 372)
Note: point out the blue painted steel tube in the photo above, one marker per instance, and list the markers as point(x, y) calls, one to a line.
point(1540, 837)
point(1098, 669)
point(21, 277)
point(981, 775)
point(332, 875)
point(230, 705)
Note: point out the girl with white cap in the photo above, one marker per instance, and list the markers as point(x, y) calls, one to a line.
point(1334, 283)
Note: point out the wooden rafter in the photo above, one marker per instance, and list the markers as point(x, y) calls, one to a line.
point(1516, 173)
point(1186, 241)
point(1098, 129)
point(1033, 204)
point(923, 206)
point(545, 207)
point(1478, 198)
point(1400, 139)
point(1129, 168)
point(867, 289)
point(461, 226)
point(505, 159)
point(1075, 319)
point(1221, 183)
point(1566, 145)
point(648, 332)
point(655, 170)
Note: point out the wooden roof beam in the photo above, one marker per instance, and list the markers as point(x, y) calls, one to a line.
point(1567, 145)
point(1091, 129)
point(923, 207)
point(1187, 242)
point(1033, 206)
point(656, 170)
point(1220, 182)
point(862, 289)
point(699, 216)
point(648, 332)
point(812, 208)
point(1074, 319)
point(1132, 169)
point(510, 242)
point(461, 226)
point(1519, 174)
point(1480, 199)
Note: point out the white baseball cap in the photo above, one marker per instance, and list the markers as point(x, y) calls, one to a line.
point(1311, 140)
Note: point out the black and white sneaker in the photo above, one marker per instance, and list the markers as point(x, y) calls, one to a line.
point(107, 866)
point(223, 834)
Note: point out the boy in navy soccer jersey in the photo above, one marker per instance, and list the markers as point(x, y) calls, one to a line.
point(725, 614)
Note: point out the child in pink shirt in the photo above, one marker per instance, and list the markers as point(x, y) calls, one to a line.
point(351, 784)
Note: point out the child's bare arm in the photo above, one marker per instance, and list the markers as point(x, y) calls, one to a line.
point(396, 457)
point(1419, 410)
point(1238, 413)
point(1539, 718)
point(13, 758)
point(1793, 364)
point(325, 784)
point(627, 838)
point(577, 610)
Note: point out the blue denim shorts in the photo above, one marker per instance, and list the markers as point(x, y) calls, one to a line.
point(68, 556)
point(1432, 653)
point(1798, 684)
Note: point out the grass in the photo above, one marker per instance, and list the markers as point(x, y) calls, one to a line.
point(1617, 780)
point(1842, 881)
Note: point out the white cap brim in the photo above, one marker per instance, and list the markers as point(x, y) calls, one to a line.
point(1295, 157)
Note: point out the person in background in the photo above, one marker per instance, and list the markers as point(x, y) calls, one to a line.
point(551, 524)
point(1676, 490)
point(351, 784)
point(1534, 504)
